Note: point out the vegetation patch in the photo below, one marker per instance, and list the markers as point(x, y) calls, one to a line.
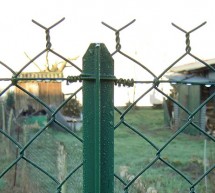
point(58, 153)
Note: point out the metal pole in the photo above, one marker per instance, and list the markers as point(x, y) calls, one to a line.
point(3, 117)
point(205, 165)
point(98, 120)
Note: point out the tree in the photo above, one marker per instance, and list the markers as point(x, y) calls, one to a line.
point(72, 108)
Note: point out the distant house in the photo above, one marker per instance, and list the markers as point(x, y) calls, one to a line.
point(193, 83)
point(50, 92)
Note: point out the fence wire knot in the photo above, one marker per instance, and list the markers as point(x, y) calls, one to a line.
point(190, 118)
point(14, 80)
point(156, 82)
point(192, 190)
point(158, 154)
point(124, 82)
point(187, 35)
point(48, 38)
point(47, 30)
point(22, 153)
point(125, 190)
point(118, 45)
point(59, 190)
point(188, 48)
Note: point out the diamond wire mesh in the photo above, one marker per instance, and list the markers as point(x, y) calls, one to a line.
point(27, 161)
point(133, 181)
point(37, 158)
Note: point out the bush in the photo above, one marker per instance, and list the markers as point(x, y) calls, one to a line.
point(72, 108)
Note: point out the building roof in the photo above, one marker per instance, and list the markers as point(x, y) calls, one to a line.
point(41, 75)
point(190, 79)
point(192, 66)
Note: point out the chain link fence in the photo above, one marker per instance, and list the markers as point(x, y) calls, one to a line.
point(137, 181)
point(38, 157)
point(43, 153)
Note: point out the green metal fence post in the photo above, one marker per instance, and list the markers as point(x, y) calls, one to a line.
point(98, 120)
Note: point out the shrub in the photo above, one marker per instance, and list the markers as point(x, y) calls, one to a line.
point(72, 108)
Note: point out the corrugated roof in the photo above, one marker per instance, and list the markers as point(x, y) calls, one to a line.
point(192, 66)
point(190, 79)
point(41, 75)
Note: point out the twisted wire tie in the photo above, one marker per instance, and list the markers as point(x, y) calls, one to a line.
point(48, 39)
point(71, 79)
point(119, 82)
point(118, 45)
point(124, 82)
point(188, 48)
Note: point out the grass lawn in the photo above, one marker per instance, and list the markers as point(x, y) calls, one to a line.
point(185, 153)
point(132, 154)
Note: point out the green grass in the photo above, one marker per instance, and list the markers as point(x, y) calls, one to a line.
point(2, 184)
point(44, 152)
point(184, 152)
point(132, 151)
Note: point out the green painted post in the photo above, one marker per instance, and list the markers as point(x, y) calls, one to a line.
point(98, 120)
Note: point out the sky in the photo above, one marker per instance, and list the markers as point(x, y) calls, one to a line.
point(151, 39)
